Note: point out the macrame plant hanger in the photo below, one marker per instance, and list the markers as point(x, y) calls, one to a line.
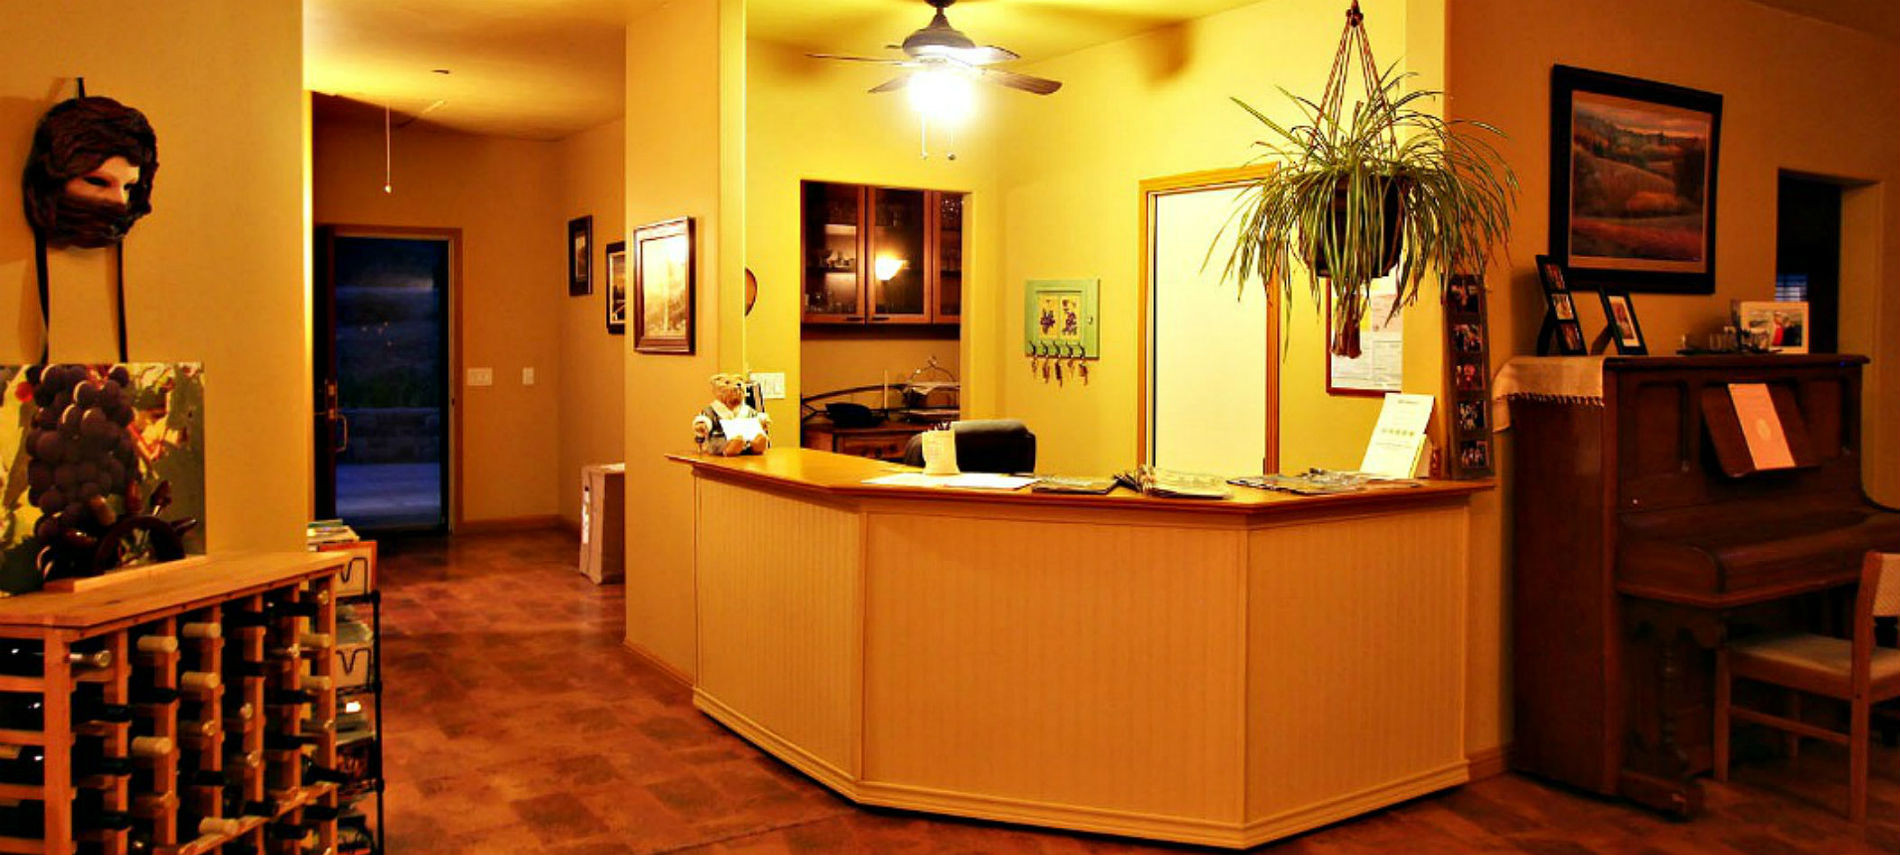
point(1355, 49)
point(46, 304)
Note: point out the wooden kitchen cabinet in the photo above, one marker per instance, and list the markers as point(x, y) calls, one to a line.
point(881, 255)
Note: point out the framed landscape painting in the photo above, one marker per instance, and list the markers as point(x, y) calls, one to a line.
point(1632, 182)
point(662, 302)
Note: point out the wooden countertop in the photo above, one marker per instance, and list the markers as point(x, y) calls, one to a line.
point(843, 476)
point(170, 587)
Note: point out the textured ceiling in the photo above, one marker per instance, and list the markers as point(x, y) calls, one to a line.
point(539, 69)
point(1037, 29)
point(544, 69)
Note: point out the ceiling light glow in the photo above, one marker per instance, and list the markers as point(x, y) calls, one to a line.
point(944, 97)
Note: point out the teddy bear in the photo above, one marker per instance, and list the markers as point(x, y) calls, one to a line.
point(729, 403)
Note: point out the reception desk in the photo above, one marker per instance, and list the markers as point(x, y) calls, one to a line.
point(1212, 672)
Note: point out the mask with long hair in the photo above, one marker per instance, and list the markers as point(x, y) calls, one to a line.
point(89, 174)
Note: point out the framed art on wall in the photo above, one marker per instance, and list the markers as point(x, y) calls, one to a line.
point(662, 302)
point(580, 255)
point(1632, 182)
point(616, 290)
point(1468, 353)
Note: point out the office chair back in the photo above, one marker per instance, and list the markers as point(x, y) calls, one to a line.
point(985, 445)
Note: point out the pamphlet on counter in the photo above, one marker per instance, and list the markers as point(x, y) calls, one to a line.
point(1399, 437)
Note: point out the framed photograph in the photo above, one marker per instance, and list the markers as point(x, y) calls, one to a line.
point(1562, 331)
point(1781, 327)
point(617, 288)
point(1632, 182)
point(580, 256)
point(1468, 355)
point(1624, 329)
point(663, 287)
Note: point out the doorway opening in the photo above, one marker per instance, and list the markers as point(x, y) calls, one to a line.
point(383, 368)
point(1808, 254)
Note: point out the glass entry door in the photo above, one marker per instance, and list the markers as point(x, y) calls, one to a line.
point(383, 380)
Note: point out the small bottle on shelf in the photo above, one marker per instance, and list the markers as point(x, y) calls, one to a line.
point(201, 630)
point(199, 682)
point(27, 710)
point(318, 774)
point(156, 645)
point(22, 658)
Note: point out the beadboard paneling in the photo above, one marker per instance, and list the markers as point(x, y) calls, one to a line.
point(779, 616)
point(1356, 678)
point(1056, 663)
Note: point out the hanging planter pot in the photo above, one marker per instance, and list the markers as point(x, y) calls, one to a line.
point(1354, 203)
point(1391, 229)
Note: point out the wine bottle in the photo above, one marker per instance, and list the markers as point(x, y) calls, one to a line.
point(22, 764)
point(27, 711)
point(290, 741)
point(201, 630)
point(152, 695)
point(23, 658)
point(320, 813)
point(285, 651)
point(236, 805)
point(287, 831)
point(288, 697)
point(210, 826)
point(316, 641)
point(287, 609)
point(239, 759)
point(247, 669)
point(244, 619)
point(199, 682)
point(317, 727)
point(149, 747)
point(313, 682)
point(27, 818)
point(314, 773)
point(157, 645)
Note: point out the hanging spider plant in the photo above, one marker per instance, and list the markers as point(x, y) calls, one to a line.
point(1388, 185)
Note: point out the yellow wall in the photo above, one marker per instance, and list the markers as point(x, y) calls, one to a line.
point(501, 193)
point(1798, 94)
point(685, 85)
point(217, 272)
point(807, 119)
point(591, 385)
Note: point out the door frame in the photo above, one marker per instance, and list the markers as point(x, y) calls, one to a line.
point(1152, 189)
point(452, 236)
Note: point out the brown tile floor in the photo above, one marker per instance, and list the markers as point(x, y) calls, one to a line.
point(518, 724)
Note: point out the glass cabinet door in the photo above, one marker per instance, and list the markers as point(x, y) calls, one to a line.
point(833, 245)
point(947, 306)
point(897, 257)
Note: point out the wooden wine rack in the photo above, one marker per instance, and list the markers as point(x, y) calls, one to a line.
point(162, 799)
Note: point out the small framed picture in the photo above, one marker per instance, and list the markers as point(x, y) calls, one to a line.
point(580, 256)
point(1570, 340)
point(1464, 296)
point(1467, 338)
point(1551, 274)
point(1474, 454)
point(617, 288)
point(663, 287)
point(1782, 327)
point(1469, 376)
point(1471, 416)
point(1624, 328)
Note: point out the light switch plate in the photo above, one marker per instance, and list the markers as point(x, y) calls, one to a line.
point(771, 383)
point(527, 376)
point(481, 377)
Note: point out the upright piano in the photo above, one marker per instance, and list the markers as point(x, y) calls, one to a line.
point(1644, 537)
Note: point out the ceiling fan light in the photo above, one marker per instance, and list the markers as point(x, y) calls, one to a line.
point(944, 97)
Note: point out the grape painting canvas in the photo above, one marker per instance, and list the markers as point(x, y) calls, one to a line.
point(101, 467)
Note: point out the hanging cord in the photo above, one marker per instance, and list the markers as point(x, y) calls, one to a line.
point(1354, 49)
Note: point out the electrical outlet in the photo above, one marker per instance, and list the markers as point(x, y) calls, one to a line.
point(481, 377)
point(527, 376)
point(771, 383)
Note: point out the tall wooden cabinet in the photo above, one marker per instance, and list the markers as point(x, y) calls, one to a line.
point(881, 255)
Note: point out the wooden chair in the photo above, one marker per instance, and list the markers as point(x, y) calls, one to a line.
point(1854, 671)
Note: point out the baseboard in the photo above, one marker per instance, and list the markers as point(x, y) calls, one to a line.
point(535, 522)
point(664, 667)
point(1490, 762)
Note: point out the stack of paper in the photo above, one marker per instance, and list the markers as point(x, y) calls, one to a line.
point(965, 481)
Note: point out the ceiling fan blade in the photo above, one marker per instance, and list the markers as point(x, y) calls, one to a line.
point(985, 55)
point(878, 60)
point(1036, 85)
point(892, 84)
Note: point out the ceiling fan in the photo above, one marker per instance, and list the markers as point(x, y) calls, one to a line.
point(940, 47)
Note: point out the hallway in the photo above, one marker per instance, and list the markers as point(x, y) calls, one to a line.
point(517, 723)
